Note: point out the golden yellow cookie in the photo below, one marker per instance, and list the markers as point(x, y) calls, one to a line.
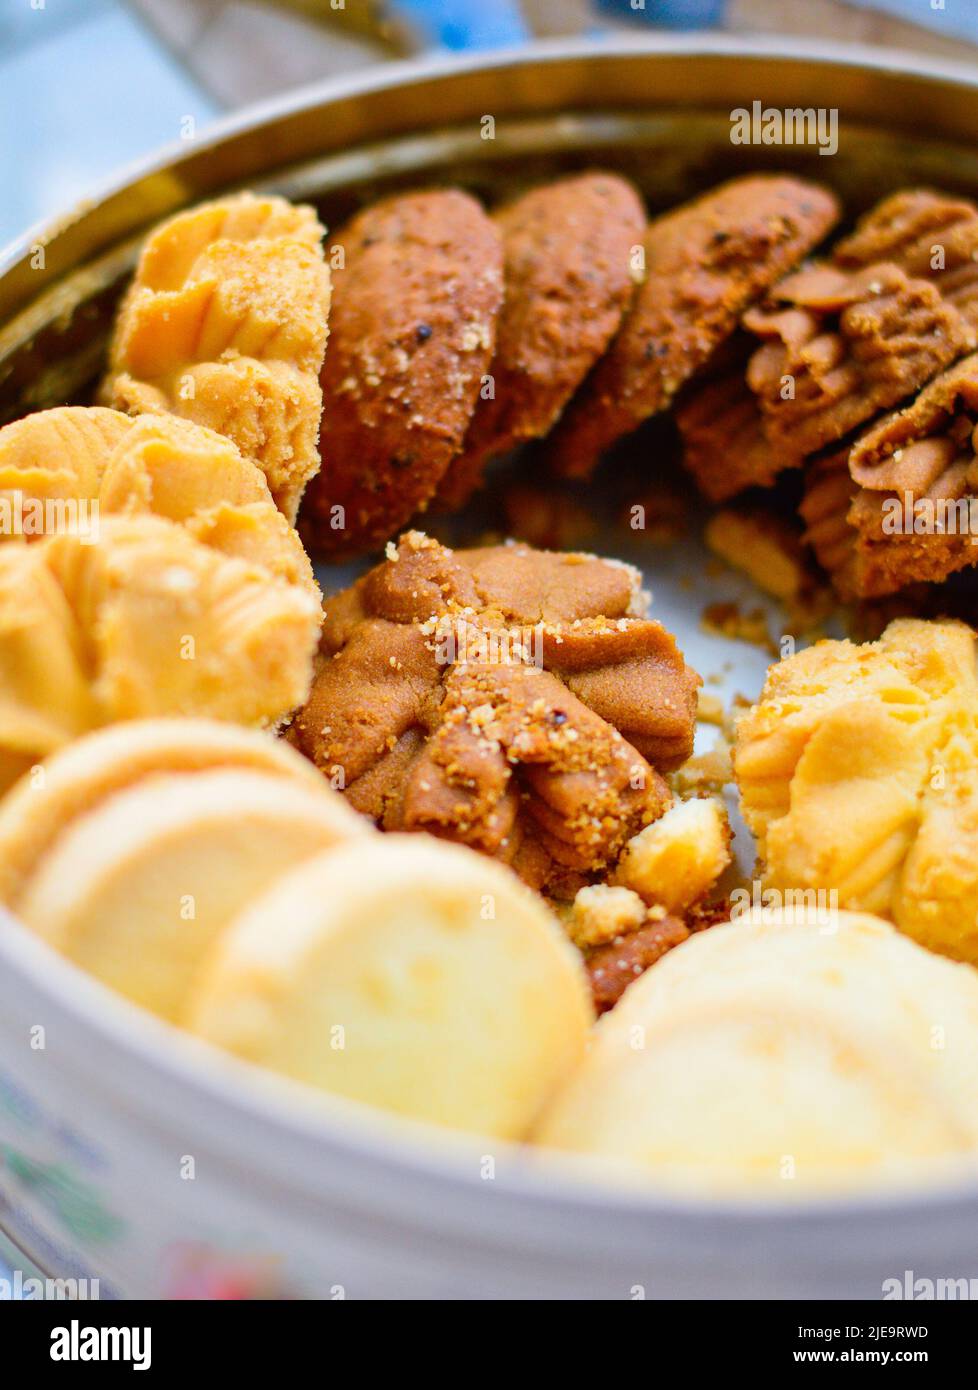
point(173, 626)
point(62, 470)
point(107, 592)
point(80, 776)
point(45, 697)
point(55, 455)
point(782, 1056)
point(676, 860)
point(170, 468)
point(408, 973)
point(225, 324)
point(858, 771)
point(898, 676)
point(136, 890)
point(936, 898)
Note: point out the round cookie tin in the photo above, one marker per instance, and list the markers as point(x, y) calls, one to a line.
point(136, 1157)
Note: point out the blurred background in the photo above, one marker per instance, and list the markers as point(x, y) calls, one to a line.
point(88, 85)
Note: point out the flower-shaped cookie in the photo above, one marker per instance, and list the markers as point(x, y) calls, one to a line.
point(902, 505)
point(515, 700)
point(225, 324)
point(841, 339)
point(858, 772)
point(159, 578)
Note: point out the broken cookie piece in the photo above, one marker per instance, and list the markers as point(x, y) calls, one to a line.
point(674, 862)
point(762, 545)
point(600, 912)
point(612, 968)
point(514, 700)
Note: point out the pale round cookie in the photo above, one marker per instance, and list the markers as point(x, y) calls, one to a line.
point(136, 890)
point(84, 773)
point(412, 974)
point(781, 1056)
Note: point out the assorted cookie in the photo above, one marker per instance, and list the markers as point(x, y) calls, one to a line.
point(902, 505)
point(406, 973)
point(778, 1057)
point(174, 587)
point(704, 265)
point(858, 776)
point(514, 700)
point(876, 324)
point(211, 876)
point(158, 608)
point(572, 258)
point(413, 331)
point(225, 324)
point(138, 888)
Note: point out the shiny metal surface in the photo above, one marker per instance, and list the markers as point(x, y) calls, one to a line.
point(657, 109)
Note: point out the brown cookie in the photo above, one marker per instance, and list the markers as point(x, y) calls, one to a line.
point(845, 338)
point(718, 418)
point(902, 505)
point(412, 333)
point(927, 234)
point(514, 700)
point(569, 272)
point(612, 968)
point(706, 263)
point(839, 346)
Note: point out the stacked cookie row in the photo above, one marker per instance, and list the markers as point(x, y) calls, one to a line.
point(210, 875)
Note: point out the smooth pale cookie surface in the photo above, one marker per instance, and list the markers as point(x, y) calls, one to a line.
point(85, 772)
point(408, 973)
point(137, 890)
point(782, 1057)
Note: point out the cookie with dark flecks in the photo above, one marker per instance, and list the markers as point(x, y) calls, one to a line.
point(570, 271)
point(412, 334)
point(705, 264)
